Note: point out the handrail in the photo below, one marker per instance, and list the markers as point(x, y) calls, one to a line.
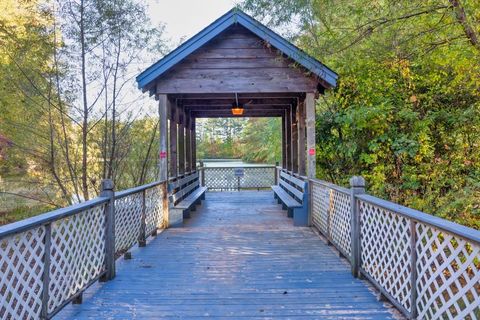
point(239, 166)
point(130, 191)
point(48, 217)
point(449, 226)
point(331, 185)
point(45, 248)
point(411, 257)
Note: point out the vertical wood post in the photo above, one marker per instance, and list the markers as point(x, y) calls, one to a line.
point(107, 192)
point(173, 139)
point(284, 141)
point(194, 144)
point(294, 138)
point(142, 238)
point(162, 114)
point(46, 271)
point(288, 145)
point(413, 266)
point(188, 143)
point(181, 140)
point(310, 113)
point(357, 186)
point(164, 206)
point(301, 139)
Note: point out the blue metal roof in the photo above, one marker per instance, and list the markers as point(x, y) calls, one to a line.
point(235, 16)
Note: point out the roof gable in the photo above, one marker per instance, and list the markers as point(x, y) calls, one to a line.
point(234, 16)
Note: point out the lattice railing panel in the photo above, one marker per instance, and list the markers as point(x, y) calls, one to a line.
point(258, 178)
point(154, 211)
point(21, 269)
point(128, 219)
point(448, 282)
point(220, 179)
point(320, 206)
point(225, 179)
point(386, 250)
point(77, 254)
point(340, 221)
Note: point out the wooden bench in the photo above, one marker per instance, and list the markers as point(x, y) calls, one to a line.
point(185, 194)
point(292, 193)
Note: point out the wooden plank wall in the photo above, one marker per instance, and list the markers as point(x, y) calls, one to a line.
point(236, 61)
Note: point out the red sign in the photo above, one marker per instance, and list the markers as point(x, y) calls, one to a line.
point(163, 154)
point(311, 151)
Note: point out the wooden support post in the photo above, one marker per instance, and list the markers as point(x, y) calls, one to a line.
point(413, 267)
point(164, 206)
point(188, 143)
point(46, 272)
point(288, 145)
point(173, 172)
point(142, 238)
point(107, 192)
point(181, 140)
point(302, 149)
point(294, 139)
point(357, 186)
point(284, 141)
point(310, 113)
point(162, 114)
point(194, 144)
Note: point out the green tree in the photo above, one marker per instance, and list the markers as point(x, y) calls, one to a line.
point(406, 112)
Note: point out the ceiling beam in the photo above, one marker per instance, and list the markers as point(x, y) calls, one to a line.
point(229, 107)
point(253, 95)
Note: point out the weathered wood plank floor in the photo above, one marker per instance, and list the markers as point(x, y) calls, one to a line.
point(239, 256)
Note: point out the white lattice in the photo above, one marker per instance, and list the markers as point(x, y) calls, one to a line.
point(448, 282)
point(128, 220)
point(154, 211)
point(258, 178)
point(340, 220)
point(21, 269)
point(320, 205)
point(225, 179)
point(77, 254)
point(386, 251)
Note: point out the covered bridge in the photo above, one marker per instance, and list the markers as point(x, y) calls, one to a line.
point(302, 248)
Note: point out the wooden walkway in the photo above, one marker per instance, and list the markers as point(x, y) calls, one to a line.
point(239, 256)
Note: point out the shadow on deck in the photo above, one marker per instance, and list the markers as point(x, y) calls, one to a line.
point(238, 256)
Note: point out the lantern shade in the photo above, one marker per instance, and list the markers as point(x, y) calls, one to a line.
point(237, 111)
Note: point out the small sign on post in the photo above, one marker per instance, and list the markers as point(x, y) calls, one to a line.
point(239, 173)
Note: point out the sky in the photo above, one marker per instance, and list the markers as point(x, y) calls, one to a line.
point(184, 18)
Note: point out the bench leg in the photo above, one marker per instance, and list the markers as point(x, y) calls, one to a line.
point(284, 207)
point(274, 195)
point(194, 207)
point(186, 214)
point(300, 217)
point(290, 212)
point(203, 196)
point(175, 217)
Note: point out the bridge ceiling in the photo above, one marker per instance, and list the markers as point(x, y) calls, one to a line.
point(219, 105)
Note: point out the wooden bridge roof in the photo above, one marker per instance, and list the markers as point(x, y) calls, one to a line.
point(237, 54)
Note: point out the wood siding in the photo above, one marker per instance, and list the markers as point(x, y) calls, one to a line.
point(236, 61)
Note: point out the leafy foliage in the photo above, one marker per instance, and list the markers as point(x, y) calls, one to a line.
point(255, 140)
point(406, 112)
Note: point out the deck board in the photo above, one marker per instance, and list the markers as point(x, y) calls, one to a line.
point(239, 256)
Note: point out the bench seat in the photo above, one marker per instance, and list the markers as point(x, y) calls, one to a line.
point(185, 194)
point(286, 199)
point(192, 199)
point(291, 192)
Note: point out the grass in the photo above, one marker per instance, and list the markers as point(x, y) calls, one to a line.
point(22, 212)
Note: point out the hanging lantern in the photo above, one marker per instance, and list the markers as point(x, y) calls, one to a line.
point(237, 109)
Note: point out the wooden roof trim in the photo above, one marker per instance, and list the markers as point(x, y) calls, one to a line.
point(232, 17)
